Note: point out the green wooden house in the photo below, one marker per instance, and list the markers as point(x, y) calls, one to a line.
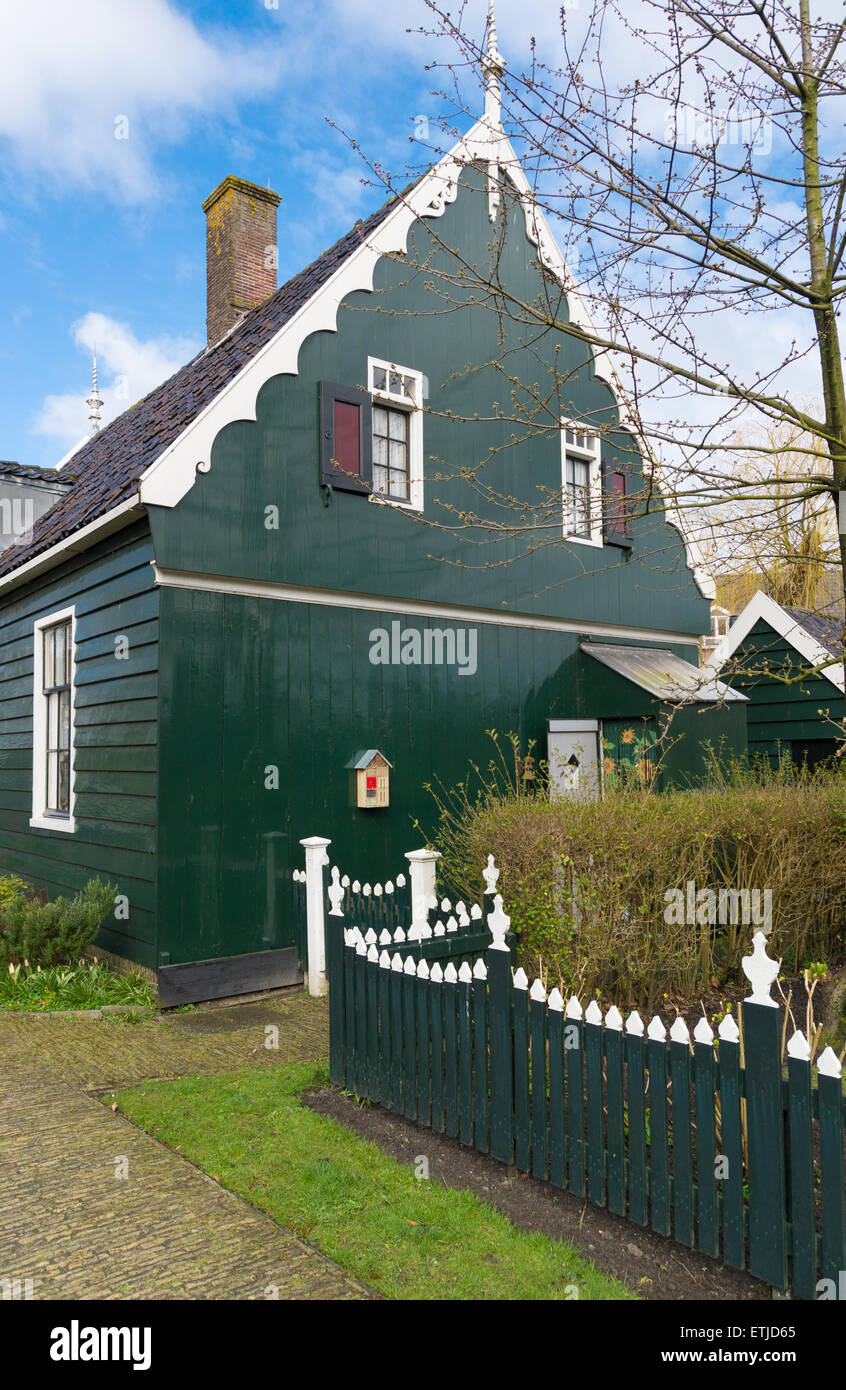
point(767, 646)
point(256, 575)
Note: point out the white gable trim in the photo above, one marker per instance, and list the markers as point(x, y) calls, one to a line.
point(761, 607)
point(174, 472)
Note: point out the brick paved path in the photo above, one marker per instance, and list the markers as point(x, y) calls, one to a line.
point(167, 1230)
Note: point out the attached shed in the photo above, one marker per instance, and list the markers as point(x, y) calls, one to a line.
point(637, 694)
point(766, 649)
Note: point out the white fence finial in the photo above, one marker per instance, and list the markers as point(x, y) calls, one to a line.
point(336, 893)
point(760, 971)
point(498, 924)
point(490, 874)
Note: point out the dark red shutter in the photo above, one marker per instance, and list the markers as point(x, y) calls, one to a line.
point(347, 443)
point(345, 438)
point(619, 517)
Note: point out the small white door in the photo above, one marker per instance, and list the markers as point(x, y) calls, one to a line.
point(573, 754)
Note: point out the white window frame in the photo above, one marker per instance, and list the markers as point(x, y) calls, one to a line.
point(41, 819)
point(413, 405)
point(590, 453)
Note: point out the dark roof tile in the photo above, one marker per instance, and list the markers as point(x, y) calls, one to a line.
point(109, 465)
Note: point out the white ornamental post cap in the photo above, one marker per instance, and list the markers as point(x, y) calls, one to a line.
point(703, 1032)
point(799, 1047)
point(336, 894)
point(490, 874)
point(593, 1013)
point(828, 1065)
point(634, 1024)
point(760, 971)
point(679, 1032)
point(498, 924)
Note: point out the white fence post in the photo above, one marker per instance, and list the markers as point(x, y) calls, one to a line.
point(316, 859)
point(422, 863)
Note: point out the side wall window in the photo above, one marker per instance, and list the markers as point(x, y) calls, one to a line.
point(581, 484)
point(53, 721)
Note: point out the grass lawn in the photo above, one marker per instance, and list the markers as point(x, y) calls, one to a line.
point(405, 1238)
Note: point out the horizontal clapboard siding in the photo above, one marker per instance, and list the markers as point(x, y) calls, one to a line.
point(116, 738)
point(778, 713)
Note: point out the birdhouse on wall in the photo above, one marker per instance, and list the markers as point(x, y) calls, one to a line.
point(372, 773)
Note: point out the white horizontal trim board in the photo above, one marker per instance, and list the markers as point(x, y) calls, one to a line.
point(79, 540)
point(407, 607)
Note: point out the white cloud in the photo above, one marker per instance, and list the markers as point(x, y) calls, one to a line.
point(128, 368)
point(70, 73)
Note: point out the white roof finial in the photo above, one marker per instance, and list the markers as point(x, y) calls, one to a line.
point(493, 66)
point(95, 400)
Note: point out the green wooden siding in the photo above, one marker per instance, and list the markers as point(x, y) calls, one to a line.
point(249, 683)
point(115, 745)
point(352, 544)
point(779, 713)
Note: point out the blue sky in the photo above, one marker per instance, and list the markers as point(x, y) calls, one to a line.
point(103, 237)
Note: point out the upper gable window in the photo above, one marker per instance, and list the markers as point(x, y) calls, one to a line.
point(581, 483)
point(53, 722)
point(397, 426)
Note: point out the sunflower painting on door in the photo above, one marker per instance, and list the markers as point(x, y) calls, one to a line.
point(629, 755)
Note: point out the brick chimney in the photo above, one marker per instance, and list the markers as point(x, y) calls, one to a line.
point(240, 252)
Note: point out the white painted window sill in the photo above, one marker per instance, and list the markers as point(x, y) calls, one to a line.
point(583, 540)
point(66, 824)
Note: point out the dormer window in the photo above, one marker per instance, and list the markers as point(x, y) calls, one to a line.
point(580, 459)
point(397, 422)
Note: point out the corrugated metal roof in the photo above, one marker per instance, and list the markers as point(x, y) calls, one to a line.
point(662, 673)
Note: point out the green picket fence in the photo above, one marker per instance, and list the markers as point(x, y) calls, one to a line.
point(705, 1140)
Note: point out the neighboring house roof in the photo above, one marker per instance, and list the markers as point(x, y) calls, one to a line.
point(108, 466)
point(662, 673)
point(28, 472)
point(827, 631)
point(815, 638)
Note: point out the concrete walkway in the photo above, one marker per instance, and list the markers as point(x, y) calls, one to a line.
point(166, 1230)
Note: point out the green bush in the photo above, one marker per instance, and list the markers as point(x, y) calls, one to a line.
point(586, 883)
point(11, 886)
point(52, 933)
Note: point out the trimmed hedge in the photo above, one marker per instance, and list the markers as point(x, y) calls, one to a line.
point(589, 886)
